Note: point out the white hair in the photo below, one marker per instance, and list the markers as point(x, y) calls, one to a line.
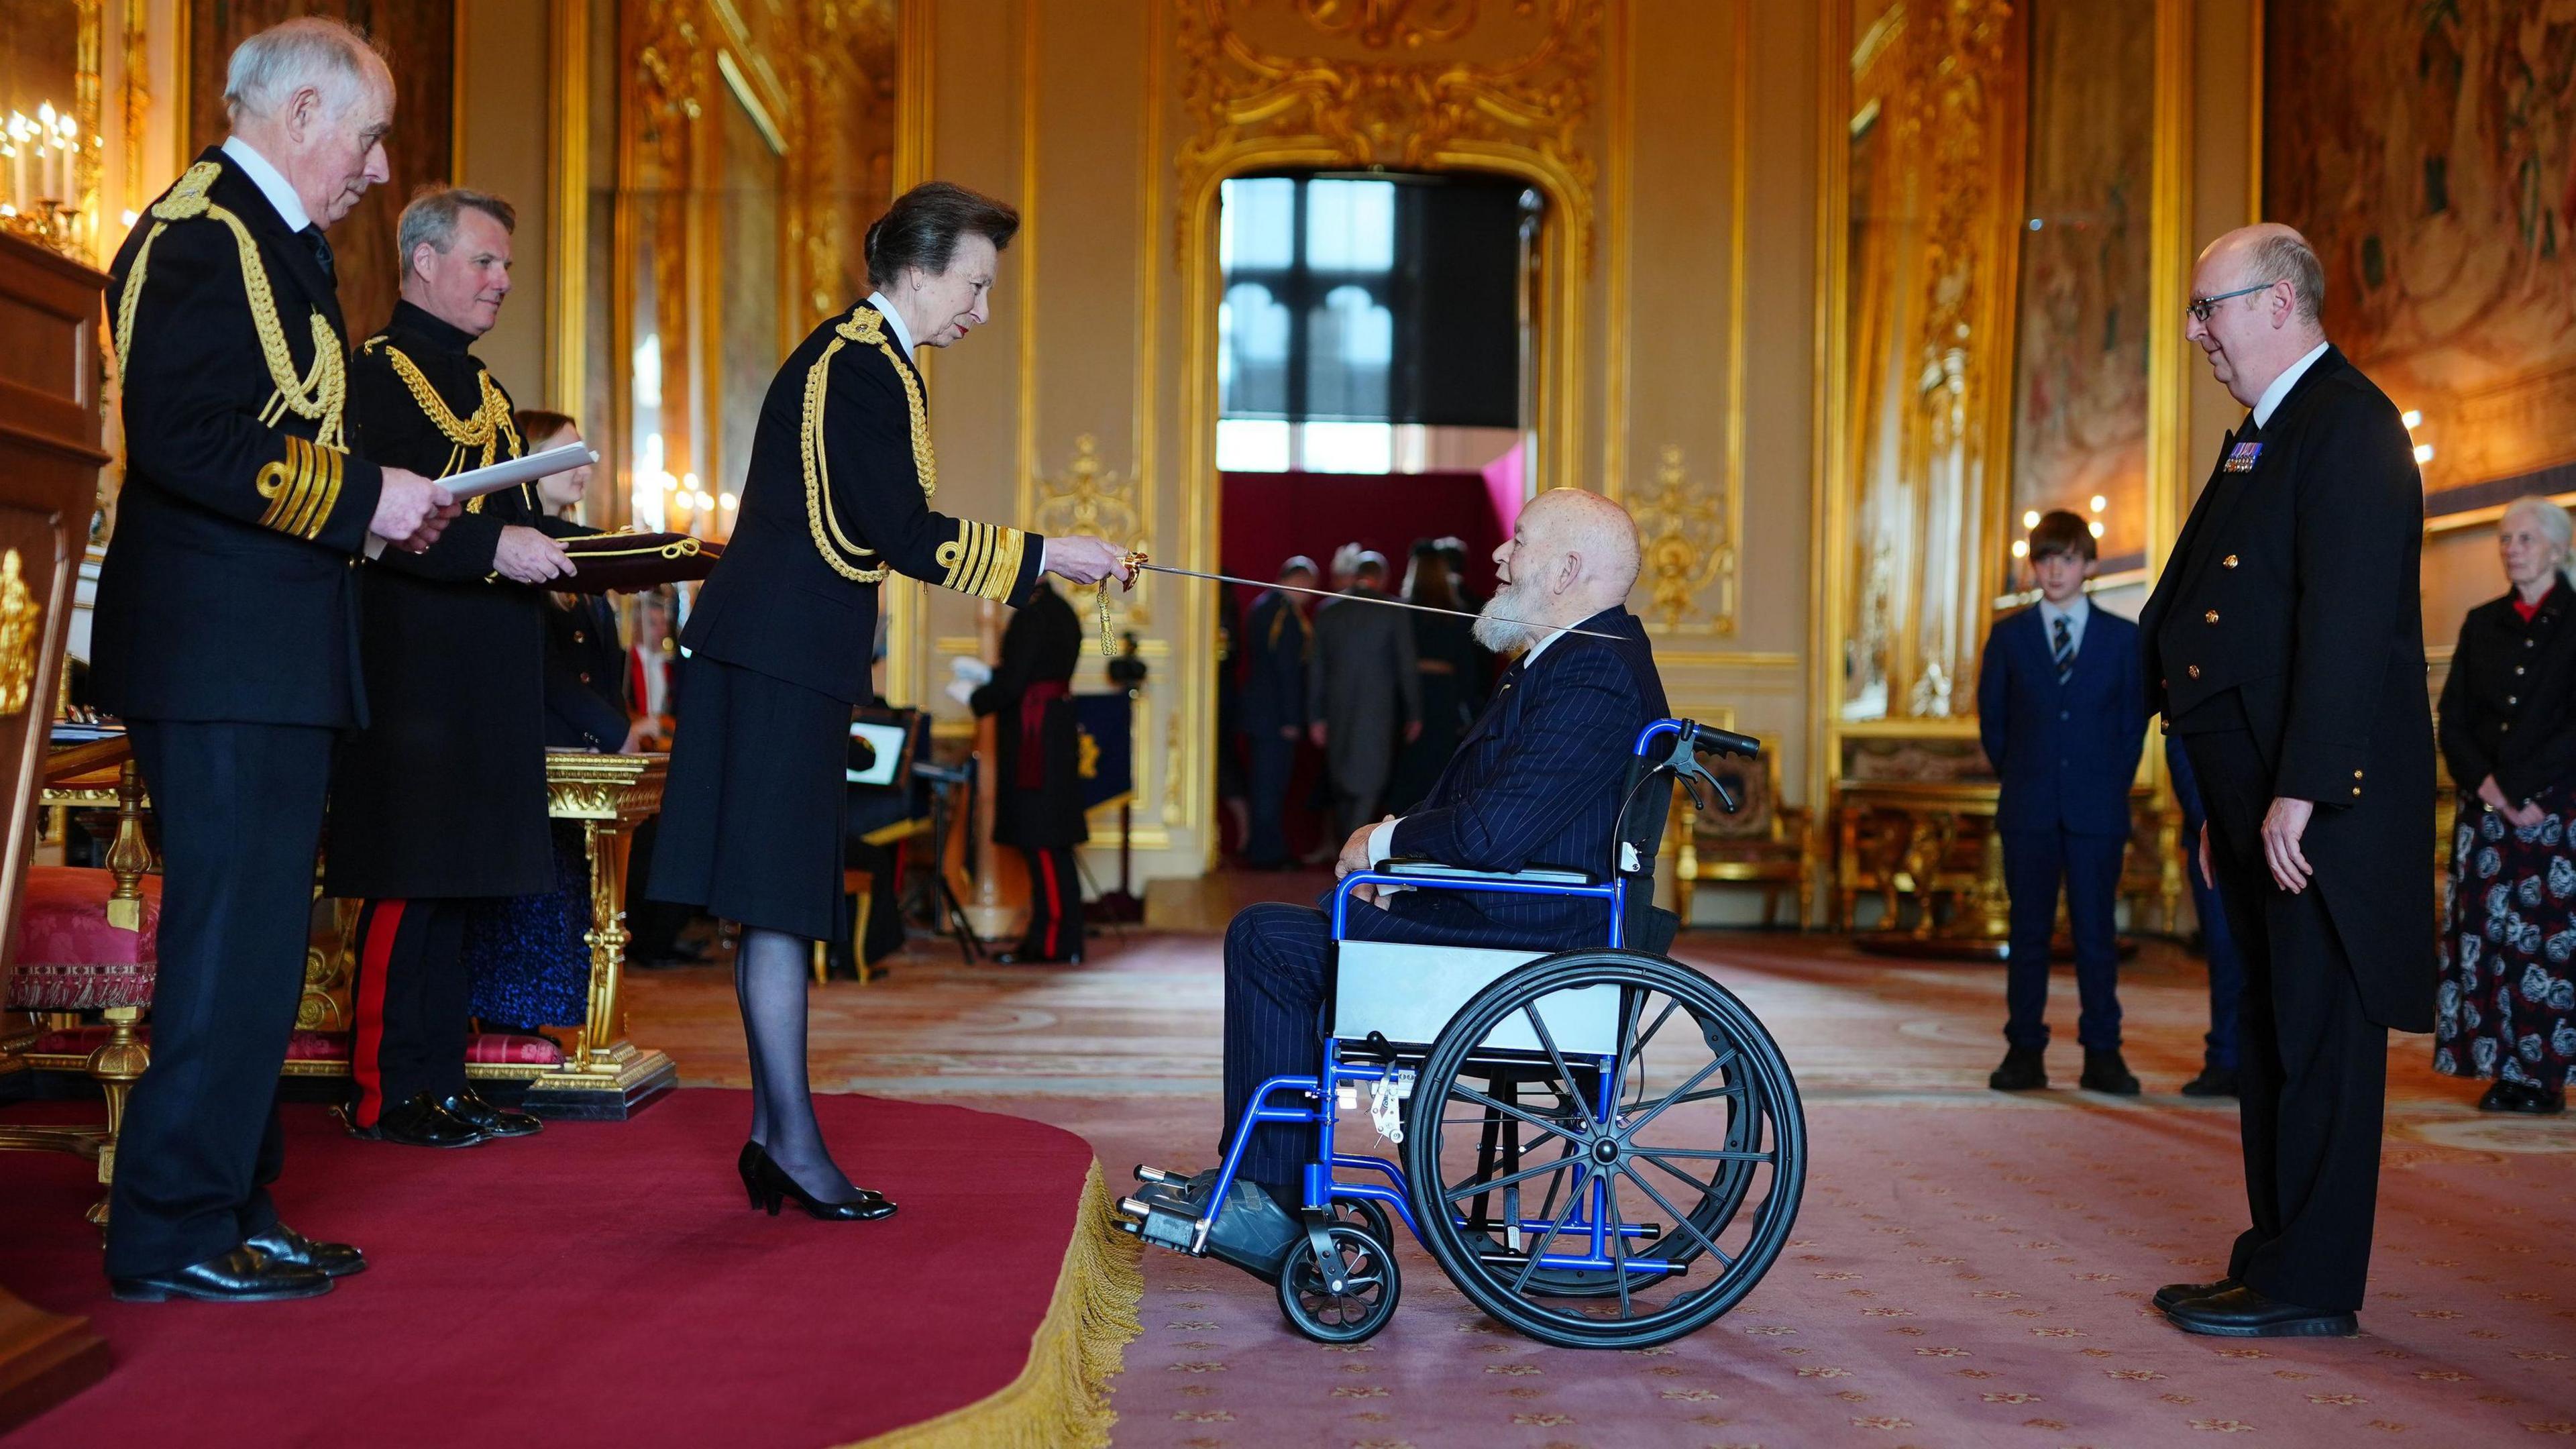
point(2553, 523)
point(310, 51)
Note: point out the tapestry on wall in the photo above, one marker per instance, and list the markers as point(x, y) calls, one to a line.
point(2429, 151)
point(418, 38)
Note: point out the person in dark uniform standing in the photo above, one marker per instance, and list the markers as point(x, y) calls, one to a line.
point(781, 641)
point(2285, 645)
point(1276, 641)
point(440, 801)
point(226, 637)
point(1037, 800)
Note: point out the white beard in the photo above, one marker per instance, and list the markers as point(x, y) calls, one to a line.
point(1496, 623)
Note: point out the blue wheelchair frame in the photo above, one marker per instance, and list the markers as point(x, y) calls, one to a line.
point(1279, 1099)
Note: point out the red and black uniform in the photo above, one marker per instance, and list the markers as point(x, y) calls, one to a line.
point(441, 799)
point(1037, 785)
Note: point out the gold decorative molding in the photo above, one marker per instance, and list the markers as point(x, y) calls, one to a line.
point(1090, 497)
point(1690, 538)
point(1378, 24)
point(20, 639)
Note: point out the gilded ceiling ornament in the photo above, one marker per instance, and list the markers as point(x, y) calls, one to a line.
point(1688, 546)
point(1419, 113)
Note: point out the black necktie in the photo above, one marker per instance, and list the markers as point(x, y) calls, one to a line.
point(2064, 650)
point(321, 251)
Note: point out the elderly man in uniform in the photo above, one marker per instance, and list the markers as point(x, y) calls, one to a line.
point(226, 636)
point(2285, 648)
point(441, 799)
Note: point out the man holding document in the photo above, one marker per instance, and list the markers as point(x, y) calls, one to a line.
point(226, 638)
point(441, 799)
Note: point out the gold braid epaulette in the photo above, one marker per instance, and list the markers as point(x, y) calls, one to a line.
point(318, 395)
point(486, 431)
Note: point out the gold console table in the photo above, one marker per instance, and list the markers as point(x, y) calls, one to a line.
point(602, 1075)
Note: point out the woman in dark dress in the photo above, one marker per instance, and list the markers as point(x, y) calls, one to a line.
point(1037, 791)
point(1452, 669)
point(2507, 1002)
point(781, 640)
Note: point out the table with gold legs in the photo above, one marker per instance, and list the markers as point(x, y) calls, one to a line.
point(603, 1075)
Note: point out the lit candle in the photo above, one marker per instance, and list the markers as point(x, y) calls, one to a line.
point(50, 152)
point(17, 169)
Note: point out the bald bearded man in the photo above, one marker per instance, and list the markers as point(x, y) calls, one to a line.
point(1536, 781)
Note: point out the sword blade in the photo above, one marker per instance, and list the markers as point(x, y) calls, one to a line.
point(1361, 599)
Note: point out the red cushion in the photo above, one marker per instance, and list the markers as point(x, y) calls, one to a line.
point(327, 1046)
point(68, 958)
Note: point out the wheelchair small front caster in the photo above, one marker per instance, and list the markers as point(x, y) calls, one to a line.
point(1346, 1297)
point(1364, 1214)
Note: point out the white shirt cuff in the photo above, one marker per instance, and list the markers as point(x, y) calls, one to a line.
point(1381, 844)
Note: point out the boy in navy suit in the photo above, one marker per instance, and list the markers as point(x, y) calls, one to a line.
point(2061, 707)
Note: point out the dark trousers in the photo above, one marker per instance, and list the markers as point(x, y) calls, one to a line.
point(1274, 1005)
point(2217, 938)
point(2312, 1066)
point(1274, 759)
point(240, 812)
point(1055, 905)
point(2035, 861)
point(410, 994)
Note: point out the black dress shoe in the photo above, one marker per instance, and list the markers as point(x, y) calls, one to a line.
point(1254, 1232)
point(418, 1121)
point(469, 1108)
point(2025, 1069)
point(2107, 1072)
point(282, 1244)
point(2212, 1082)
point(243, 1275)
point(2240, 1312)
point(772, 1188)
point(2173, 1293)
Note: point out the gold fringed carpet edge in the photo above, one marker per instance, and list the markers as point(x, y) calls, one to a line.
point(1061, 1398)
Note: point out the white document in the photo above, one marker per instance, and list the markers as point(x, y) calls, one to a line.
point(475, 482)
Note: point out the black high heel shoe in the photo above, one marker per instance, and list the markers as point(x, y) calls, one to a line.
point(771, 1188)
point(752, 1152)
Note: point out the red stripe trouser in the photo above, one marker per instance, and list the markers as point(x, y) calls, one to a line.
point(409, 999)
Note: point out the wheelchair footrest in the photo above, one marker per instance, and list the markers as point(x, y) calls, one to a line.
point(1160, 1220)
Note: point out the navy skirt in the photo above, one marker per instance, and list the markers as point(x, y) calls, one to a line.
point(752, 816)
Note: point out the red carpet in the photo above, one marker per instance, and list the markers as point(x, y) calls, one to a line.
point(604, 1281)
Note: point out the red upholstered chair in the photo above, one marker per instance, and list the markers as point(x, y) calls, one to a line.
point(88, 940)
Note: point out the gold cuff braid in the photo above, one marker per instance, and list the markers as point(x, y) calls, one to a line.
point(300, 489)
point(983, 559)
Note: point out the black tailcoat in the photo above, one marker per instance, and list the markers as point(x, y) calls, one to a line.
point(227, 593)
point(838, 492)
point(2509, 706)
point(1041, 646)
point(444, 792)
point(2291, 605)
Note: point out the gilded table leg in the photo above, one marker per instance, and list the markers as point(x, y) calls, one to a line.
point(606, 842)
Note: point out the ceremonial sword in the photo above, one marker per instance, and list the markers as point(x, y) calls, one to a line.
point(1138, 562)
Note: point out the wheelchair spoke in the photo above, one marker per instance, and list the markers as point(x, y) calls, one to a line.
point(1564, 1073)
point(1719, 1154)
point(1697, 1077)
point(1538, 1250)
point(1707, 1189)
point(1508, 1110)
point(1618, 1242)
point(1524, 1175)
point(1678, 1216)
point(1637, 1043)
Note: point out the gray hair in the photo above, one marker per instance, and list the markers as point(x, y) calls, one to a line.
point(312, 50)
point(432, 216)
point(2553, 523)
point(2285, 256)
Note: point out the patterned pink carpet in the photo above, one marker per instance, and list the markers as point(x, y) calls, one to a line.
point(1969, 1268)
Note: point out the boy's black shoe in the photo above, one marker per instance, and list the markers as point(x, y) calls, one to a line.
point(2106, 1072)
point(2025, 1069)
point(2212, 1082)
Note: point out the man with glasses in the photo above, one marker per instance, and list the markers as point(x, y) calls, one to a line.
point(2285, 649)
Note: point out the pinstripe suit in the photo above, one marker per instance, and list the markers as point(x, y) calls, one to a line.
point(1536, 781)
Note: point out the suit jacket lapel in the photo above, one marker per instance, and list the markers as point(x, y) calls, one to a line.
point(285, 252)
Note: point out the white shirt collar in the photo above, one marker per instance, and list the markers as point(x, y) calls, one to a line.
point(885, 309)
point(272, 183)
point(2075, 610)
point(2265, 405)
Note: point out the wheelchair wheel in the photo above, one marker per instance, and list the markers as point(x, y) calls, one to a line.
point(1368, 1285)
point(1674, 1140)
point(1367, 1216)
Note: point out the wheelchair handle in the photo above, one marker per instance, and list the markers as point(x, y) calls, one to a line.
point(1702, 738)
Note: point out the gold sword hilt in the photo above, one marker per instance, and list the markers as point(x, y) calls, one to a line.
point(1131, 562)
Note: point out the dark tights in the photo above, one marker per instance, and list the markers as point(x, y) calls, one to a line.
point(769, 975)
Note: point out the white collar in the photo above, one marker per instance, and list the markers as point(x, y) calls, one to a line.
point(2074, 610)
point(272, 183)
point(885, 309)
point(2270, 401)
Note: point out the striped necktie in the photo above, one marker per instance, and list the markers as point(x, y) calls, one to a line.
point(2064, 650)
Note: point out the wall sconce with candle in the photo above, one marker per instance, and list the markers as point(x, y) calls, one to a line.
point(43, 156)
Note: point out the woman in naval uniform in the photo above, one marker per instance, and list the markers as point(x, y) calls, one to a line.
point(838, 493)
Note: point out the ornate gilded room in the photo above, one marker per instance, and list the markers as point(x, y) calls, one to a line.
point(1244, 650)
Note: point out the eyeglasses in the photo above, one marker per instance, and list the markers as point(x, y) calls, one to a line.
point(2201, 307)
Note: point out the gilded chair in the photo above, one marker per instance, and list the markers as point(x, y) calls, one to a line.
point(1766, 843)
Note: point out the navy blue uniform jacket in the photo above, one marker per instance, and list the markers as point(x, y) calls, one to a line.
point(2066, 752)
point(1536, 781)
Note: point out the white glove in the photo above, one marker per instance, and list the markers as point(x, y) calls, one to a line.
point(971, 669)
point(961, 691)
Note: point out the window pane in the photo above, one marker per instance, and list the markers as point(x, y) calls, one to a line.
point(1350, 343)
point(1252, 342)
point(1349, 447)
point(1350, 226)
point(1245, 445)
point(1257, 223)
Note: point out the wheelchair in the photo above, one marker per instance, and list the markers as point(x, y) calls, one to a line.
point(1602, 1147)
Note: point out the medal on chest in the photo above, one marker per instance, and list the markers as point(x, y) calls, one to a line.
point(2240, 459)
